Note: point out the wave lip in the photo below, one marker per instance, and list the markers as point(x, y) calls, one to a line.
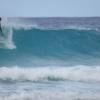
point(79, 73)
point(90, 23)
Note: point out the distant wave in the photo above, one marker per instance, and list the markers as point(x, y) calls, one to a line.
point(76, 73)
point(56, 23)
point(27, 26)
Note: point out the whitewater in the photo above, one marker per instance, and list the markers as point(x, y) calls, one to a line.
point(50, 59)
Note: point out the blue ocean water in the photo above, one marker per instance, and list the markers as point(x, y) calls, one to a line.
point(50, 59)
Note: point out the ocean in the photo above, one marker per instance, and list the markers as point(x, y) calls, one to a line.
point(54, 58)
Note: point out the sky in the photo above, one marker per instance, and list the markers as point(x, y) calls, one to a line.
point(49, 8)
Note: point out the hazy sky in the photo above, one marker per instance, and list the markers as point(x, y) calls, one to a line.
point(34, 8)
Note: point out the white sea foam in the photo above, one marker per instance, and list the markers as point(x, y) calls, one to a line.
point(17, 24)
point(47, 95)
point(76, 73)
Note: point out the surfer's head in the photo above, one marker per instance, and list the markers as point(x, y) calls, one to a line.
point(0, 18)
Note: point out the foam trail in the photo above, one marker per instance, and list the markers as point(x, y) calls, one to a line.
point(78, 73)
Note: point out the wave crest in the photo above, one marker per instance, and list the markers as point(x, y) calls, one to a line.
point(28, 24)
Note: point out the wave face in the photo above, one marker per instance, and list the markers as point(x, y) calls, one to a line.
point(41, 55)
point(34, 46)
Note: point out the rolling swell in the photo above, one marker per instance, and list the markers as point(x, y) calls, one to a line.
point(69, 45)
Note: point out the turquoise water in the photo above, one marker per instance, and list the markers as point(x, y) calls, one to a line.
point(67, 45)
point(41, 59)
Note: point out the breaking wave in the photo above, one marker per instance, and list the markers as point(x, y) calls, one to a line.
point(60, 54)
point(76, 73)
point(75, 41)
point(9, 26)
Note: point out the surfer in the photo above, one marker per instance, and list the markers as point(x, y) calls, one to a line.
point(1, 33)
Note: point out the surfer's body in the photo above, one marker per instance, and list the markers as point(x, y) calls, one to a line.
point(1, 33)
